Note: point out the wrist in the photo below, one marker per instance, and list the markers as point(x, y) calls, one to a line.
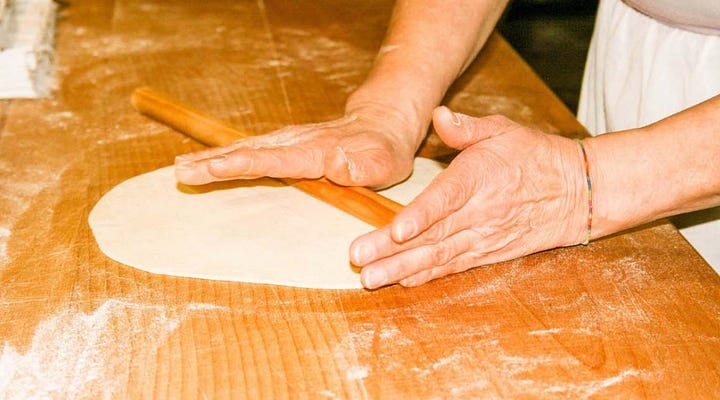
point(588, 193)
point(577, 212)
point(619, 197)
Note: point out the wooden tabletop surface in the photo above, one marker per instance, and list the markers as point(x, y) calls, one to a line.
point(635, 315)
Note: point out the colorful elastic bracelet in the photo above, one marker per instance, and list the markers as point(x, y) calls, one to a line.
point(589, 188)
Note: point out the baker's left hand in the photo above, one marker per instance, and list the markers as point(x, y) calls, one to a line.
point(512, 191)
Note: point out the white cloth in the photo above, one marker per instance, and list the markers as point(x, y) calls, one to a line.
point(702, 16)
point(640, 71)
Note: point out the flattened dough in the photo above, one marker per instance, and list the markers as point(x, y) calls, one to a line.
point(253, 231)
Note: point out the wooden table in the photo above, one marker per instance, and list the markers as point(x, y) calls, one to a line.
point(631, 316)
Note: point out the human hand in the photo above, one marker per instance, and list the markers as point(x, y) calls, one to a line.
point(370, 146)
point(512, 191)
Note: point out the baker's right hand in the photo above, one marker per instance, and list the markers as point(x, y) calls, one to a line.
point(369, 146)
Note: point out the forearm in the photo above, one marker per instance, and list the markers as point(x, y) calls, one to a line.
point(428, 45)
point(664, 169)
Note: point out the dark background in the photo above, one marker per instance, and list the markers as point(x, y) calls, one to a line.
point(553, 37)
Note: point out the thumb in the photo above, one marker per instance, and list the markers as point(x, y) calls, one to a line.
point(369, 167)
point(461, 131)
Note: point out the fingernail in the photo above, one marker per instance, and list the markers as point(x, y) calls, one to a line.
point(217, 159)
point(375, 278)
point(405, 231)
point(454, 118)
point(363, 254)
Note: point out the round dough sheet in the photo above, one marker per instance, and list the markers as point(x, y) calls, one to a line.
point(251, 231)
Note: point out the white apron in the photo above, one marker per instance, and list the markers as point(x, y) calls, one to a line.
point(639, 71)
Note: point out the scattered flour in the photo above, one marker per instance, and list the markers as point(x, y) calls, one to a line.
point(508, 106)
point(71, 353)
point(545, 332)
point(516, 373)
point(346, 359)
point(60, 119)
point(356, 372)
point(589, 389)
point(453, 358)
point(328, 394)
point(4, 236)
point(342, 63)
point(27, 181)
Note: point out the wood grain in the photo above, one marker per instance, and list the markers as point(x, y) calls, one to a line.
point(635, 315)
point(4, 105)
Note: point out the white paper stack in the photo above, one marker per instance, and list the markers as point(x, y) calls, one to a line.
point(26, 37)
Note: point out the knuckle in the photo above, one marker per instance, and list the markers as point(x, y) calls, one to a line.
point(441, 253)
point(436, 234)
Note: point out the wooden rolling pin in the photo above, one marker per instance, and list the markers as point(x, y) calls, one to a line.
point(360, 202)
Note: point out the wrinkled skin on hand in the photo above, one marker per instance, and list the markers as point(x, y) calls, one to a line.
point(512, 191)
point(367, 147)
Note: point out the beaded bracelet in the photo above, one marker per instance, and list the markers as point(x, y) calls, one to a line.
point(589, 188)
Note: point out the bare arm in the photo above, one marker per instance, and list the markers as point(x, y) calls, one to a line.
point(667, 168)
point(428, 45)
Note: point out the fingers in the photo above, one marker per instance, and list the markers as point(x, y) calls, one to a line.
point(190, 168)
point(285, 162)
point(461, 131)
point(421, 261)
point(188, 158)
point(285, 136)
point(358, 168)
point(379, 244)
point(446, 194)
point(244, 163)
point(460, 263)
point(456, 185)
point(357, 160)
point(196, 168)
